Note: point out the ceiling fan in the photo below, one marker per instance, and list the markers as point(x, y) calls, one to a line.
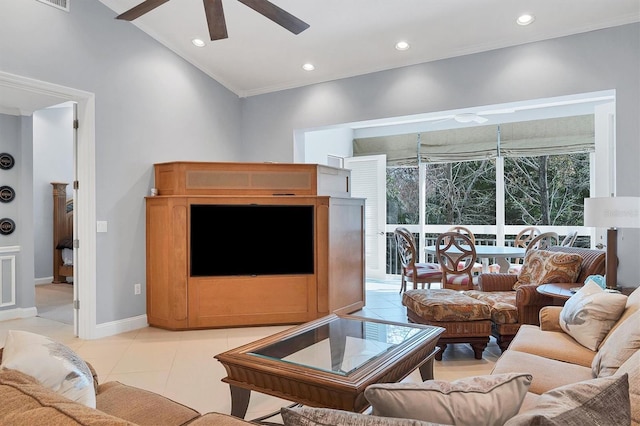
point(215, 15)
point(473, 117)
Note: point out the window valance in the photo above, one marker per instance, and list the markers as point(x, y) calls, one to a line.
point(526, 138)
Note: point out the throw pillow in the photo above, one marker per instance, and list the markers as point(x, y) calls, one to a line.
point(632, 368)
point(621, 344)
point(304, 416)
point(602, 401)
point(589, 314)
point(468, 401)
point(51, 363)
point(542, 267)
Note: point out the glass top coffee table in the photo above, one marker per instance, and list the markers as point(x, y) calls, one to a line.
point(329, 362)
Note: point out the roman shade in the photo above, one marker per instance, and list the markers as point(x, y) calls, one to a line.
point(550, 136)
point(565, 135)
point(466, 144)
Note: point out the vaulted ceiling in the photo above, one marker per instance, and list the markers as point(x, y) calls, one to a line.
point(353, 37)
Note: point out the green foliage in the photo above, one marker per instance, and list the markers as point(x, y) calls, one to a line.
point(546, 190)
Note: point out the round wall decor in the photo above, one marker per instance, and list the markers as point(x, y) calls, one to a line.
point(7, 226)
point(7, 194)
point(6, 161)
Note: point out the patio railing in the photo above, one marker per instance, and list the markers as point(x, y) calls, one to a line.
point(393, 263)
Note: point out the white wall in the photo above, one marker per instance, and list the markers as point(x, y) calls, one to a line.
point(588, 62)
point(52, 162)
point(319, 144)
point(151, 106)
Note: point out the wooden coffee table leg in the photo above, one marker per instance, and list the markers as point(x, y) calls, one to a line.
point(239, 401)
point(426, 370)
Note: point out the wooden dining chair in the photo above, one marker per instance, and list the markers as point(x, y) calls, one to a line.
point(456, 255)
point(569, 239)
point(465, 231)
point(412, 270)
point(544, 241)
point(477, 267)
point(525, 236)
point(523, 239)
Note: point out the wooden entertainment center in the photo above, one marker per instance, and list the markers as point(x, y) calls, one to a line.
point(177, 300)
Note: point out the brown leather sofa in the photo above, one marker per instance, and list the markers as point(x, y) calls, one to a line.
point(525, 302)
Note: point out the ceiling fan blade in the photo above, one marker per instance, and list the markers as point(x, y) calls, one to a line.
point(277, 15)
point(215, 19)
point(469, 117)
point(141, 9)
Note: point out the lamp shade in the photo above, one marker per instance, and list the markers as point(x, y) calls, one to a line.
point(612, 212)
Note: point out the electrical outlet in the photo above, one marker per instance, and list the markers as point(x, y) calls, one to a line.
point(137, 289)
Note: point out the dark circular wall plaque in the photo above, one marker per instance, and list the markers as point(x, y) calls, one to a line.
point(7, 226)
point(7, 194)
point(6, 161)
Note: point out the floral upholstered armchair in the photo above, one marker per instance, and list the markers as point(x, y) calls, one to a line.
point(514, 299)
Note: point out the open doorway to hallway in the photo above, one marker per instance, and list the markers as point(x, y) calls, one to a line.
point(21, 96)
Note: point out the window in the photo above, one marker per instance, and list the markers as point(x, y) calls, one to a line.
point(543, 166)
point(546, 190)
point(403, 196)
point(496, 176)
point(461, 193)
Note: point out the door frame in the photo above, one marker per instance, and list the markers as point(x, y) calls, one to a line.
point(603, 162)
point(85, 206)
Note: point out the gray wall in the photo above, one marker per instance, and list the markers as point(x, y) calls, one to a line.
point(593, 61)
point(15, 139)
point(52, 162)
point(151, 106)
point(10, 141)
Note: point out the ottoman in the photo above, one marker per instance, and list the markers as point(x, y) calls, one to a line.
point(465, 319)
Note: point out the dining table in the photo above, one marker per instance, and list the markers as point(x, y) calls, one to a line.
point(486, 252)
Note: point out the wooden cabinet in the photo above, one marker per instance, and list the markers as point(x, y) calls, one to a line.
point(176, 300)
point(167, 262)
point(194, 178)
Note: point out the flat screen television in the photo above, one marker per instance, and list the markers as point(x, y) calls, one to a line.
point(251, 239)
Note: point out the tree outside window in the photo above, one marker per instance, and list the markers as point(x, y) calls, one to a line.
point(546, 190)
point(461, 193)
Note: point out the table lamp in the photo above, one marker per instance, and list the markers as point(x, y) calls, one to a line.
point(612, 213)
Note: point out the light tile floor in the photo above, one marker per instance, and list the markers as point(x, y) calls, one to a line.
point(180, 364)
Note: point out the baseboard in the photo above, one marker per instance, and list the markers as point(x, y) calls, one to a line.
point(18, 313)
point(45, 280)
point(120, 326)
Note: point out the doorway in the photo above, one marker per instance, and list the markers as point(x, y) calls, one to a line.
point(27, 95)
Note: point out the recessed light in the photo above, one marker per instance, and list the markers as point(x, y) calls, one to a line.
point(308, 67)
point(525, 19)
point(402, 45)
point(198, 42)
